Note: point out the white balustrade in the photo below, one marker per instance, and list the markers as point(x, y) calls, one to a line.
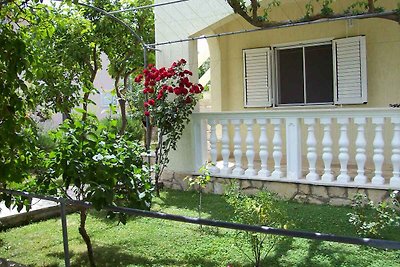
point(327, 155)
point(361, 158)
point(311, 150)
point(250, 171)
point(263, 141)
point(353, 128)
point(378, 151)
point(277, 146)
point(343, 151)
point(293, 149)
point(395, 180)
point(213, 147)
point(225, 152)
point(237, 148)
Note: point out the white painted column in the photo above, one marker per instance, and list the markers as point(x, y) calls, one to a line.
point(213, 146)
point(277, 147)
point(293, 148)
point(225, 147)
point(395, 180)
point(378, 151)
point(250, 171)
point(360, 150)
point(263, 141)
point(311, 150)
point(237, 151)
point(343, 177)
point(327, 150)
point(199, 143)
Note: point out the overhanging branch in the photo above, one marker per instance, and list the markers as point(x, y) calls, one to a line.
point(251, 15)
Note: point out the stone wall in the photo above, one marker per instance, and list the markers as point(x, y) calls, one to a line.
point(316, 194)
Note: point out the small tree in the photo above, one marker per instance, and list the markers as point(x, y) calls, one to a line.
point(262, 209)
point(167, 98)
point(200, 182)
point(98, 165)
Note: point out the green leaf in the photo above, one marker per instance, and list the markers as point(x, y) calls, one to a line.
point(92, 137)
point(80, 110)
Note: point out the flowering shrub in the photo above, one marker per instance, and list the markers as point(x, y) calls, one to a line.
point(169, 98)
point(372, 219)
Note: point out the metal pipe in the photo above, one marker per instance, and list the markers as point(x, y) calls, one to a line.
point(65, 233)
point(285, 25)
point(385, 244)
point(148, 6)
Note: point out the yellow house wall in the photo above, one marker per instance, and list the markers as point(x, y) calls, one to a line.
point(383, 57)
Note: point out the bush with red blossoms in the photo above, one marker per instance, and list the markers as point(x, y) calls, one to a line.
point(169, 98)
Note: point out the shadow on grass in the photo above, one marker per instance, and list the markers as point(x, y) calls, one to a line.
point(214, 206)
point(115, 257)
point(279, 251)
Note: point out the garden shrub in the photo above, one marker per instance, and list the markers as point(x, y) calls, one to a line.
point(44, 141)
point(134, 127)
point(371, 219)
point(262, 209)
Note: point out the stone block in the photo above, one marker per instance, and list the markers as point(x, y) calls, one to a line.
point(176, 186)
point(181, 175)
point(377, 195)
point(251, 191)
point(304, 189)
point(315, 200)
point(257, 184)
point(219, 188)
point(340, 201)
point(285, 190)
point(244, 184)
point(183, 184)
point(167, 184)
point(337, 192)
point(209, 187)
point(167, 176)
point(301, 198)
point(319, 191)
point(351, 192)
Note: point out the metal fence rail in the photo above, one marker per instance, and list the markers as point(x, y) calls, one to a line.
point(378, 243)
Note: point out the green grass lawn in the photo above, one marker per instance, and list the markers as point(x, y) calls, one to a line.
point(154, 242)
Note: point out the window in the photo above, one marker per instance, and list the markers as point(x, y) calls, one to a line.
point(305, 75)
point(319, 73)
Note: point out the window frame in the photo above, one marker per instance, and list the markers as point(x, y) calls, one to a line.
point(275, 70)
point(350, 75)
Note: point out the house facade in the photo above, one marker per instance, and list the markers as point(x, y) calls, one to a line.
point(293, 108)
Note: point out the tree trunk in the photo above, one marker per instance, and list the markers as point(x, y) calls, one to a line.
point(85, 236)
point(122, 105)
point(93, 73)
point(371, 6)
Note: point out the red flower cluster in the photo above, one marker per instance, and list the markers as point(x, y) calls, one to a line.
point(158, 83)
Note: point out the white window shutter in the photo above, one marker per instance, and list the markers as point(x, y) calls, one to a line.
point(257, 77)
point(351, 70)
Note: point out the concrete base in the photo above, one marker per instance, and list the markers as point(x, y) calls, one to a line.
point(306, 193)
point(24, 218)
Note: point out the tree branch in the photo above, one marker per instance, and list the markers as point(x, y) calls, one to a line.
point(371, 7)
point(254, 9)
point(255, 21)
